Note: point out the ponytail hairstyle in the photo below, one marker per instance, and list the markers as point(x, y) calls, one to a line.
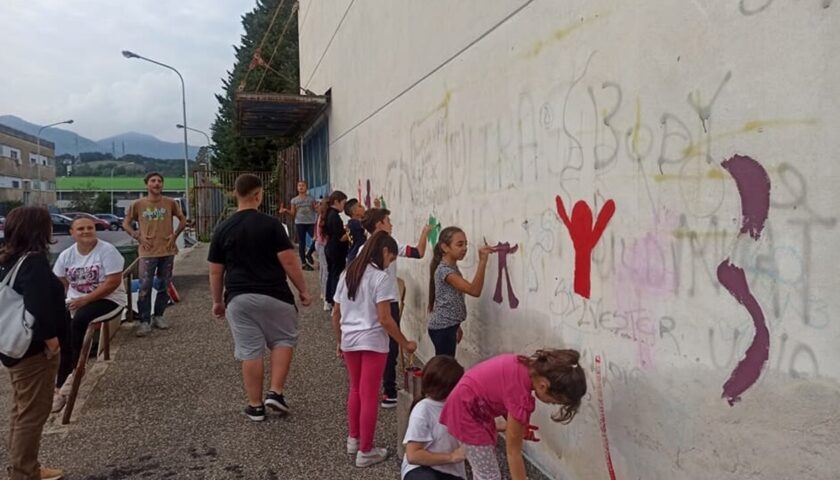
point(373, 254)
point(566, 379)
point(325, 208)
point(445, 237)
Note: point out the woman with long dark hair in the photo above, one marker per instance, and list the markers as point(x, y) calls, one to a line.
point(28, 236)
point(338, 244)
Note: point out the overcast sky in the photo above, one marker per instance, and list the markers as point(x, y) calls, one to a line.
point(61, 59)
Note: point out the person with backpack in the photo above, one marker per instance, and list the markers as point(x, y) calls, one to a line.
point(26, 278)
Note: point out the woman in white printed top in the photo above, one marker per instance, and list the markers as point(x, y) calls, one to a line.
point(91, 271)
point(362, 323)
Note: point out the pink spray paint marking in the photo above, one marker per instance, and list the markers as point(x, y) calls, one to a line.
point(754, 188)
point(602, 417)
point(504, 249)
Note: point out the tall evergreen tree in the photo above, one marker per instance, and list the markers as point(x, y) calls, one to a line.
point(231, 151)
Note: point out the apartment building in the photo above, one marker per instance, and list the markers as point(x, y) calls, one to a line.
point(27, 173)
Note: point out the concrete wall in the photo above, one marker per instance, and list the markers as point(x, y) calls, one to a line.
point(452, 112)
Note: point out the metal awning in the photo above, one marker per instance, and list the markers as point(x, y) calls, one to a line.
point(277, 114)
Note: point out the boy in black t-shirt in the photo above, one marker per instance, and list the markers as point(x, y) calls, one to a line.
point(251, 256)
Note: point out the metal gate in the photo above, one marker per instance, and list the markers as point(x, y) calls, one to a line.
point(215, 199)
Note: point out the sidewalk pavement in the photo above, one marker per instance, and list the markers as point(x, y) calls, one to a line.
point(170, 405)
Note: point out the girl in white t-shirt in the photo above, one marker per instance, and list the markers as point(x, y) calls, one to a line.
point(91, 271)
point(362, 323)
point(430, 452)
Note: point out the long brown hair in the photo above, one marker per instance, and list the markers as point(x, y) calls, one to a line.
point(27, 230)
point(566, 378)
point(372, 253)
point(325, 207)
point(445, 237)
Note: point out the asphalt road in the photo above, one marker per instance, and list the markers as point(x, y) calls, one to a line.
point(118, 238)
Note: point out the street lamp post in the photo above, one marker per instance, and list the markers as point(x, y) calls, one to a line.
point(112, 190)
point(128, 54)
point(38, 137)
point(209, 156)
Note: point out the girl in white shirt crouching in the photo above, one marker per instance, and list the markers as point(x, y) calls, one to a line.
point(362, 323)
point(430, 452)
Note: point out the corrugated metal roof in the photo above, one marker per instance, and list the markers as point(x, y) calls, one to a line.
point(277, 114)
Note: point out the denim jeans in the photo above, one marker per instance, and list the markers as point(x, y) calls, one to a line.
point(151, 267)
point(302, 230)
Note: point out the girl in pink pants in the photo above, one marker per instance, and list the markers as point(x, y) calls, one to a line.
point(362, 323)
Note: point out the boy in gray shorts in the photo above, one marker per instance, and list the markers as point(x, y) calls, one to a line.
point(251, 255)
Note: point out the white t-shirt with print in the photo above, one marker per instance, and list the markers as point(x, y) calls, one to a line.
point(424, 427)
point(85, 273)
point(360, 327)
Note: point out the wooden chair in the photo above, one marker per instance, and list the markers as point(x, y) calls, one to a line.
point(79, 372)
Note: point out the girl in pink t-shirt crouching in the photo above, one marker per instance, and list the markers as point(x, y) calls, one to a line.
point(504, 386)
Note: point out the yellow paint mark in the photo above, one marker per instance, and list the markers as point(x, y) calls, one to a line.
point(444, 104)
point(536, 48)
point(753, 126)
point(711, 174)
point(637, 127)
point(716, 173)
point(561, 34)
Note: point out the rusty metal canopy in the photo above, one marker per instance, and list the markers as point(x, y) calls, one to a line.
point(277, 114)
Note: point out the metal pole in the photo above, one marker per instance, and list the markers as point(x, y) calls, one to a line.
point(38, 137)
point(209, 156)
point(112, 190)
point(128, 54)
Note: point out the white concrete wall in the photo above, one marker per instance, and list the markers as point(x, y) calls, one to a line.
point(638, 102)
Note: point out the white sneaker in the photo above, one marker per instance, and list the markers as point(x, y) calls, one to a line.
point(352, 445)
point(58, 403)
point(374, 456)
point(67, 386)
point(327, 307)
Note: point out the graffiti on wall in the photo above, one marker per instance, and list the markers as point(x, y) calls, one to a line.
point(584, 237)
point(503, 250)
point(754, 188)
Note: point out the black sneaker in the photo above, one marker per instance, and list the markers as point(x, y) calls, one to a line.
point(256, 414)
point(307, 267)
point(277, 402)
point(388, 402)
point(310, 260)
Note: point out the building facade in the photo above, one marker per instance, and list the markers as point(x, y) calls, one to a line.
point(710, 127)
point(26, 176)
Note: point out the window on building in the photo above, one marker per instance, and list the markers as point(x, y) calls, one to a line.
point(315, 162)
point(15, 184)
point(14, 154)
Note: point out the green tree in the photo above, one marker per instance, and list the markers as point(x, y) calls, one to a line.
point(102, 204)
point(83, 200)
point(230, 150)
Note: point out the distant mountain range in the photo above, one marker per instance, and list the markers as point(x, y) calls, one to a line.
point(136, 143)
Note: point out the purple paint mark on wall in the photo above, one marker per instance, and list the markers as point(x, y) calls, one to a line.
point(503, 249)
point(749, 368)
point(754, 186)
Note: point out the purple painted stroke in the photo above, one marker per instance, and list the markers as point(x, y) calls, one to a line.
point(749, 368)
point(503, 249)
point(754, 186)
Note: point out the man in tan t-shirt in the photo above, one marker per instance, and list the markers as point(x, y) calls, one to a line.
point(157, 249)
